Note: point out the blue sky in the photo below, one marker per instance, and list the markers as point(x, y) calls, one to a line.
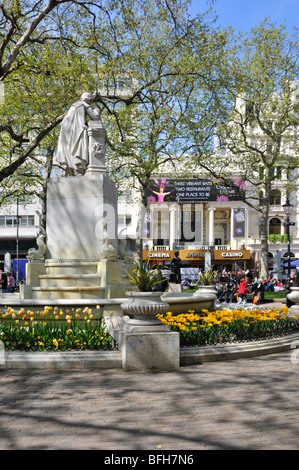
point(245, 14)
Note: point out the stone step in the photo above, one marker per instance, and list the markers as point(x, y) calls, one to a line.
point(71, 266)
point(70, 280)
point(68, 292)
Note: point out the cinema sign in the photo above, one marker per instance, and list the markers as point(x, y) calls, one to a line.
point(159, 254)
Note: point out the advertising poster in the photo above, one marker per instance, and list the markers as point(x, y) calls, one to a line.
point(239, 223)
point(195, 190)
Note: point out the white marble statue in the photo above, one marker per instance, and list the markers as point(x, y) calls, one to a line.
point(108, 250)
point(39, 253)
point(72, 149)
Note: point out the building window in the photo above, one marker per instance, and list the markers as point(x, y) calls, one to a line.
point(286, 255)
point(124, 220)
point(26, 220)
point(11, 221)
point(275, 226)
point(161, 226)
point(275, 198)
point(275, 171)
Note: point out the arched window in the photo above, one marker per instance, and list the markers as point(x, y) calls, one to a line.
point(286, 255)
point(275, 226)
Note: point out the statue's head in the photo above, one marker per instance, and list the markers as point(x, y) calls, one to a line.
point(88, 97)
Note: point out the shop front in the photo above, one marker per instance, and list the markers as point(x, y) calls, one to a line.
point(232, 259)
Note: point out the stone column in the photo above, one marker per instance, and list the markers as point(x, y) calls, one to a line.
point(232, 238)
point(211, 226)
point(246, 224)
point(172, 234)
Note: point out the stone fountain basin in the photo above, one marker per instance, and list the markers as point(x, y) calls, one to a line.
point(182, 302)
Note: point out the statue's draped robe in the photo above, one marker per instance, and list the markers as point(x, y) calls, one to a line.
point(72, 148)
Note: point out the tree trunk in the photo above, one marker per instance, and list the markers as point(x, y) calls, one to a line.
point(264, 241)
point(43, 196)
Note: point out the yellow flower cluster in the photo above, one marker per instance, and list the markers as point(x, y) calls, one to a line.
point(48, 313)
point(223, 317)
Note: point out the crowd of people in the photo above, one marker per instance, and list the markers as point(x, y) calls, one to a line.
point(241, 287)
point(237, 288)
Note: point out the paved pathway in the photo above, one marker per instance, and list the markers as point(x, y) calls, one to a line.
point(245, 404)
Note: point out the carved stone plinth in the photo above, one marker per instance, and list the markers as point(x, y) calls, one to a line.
point(78, 207)
point(97, 148)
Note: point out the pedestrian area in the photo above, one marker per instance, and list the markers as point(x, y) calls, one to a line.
point(244, 404)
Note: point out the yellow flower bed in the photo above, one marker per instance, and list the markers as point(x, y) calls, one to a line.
point(53, 328)
point(228, 325)
point(221, 317)
point(48, 313)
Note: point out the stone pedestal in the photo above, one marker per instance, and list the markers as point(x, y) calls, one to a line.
point(2, 355)
point(81, 241)
point(78, 207)
point(294, 297)
point(34, 269)
point(149, 348)
point(144, 341)
point(174, 287)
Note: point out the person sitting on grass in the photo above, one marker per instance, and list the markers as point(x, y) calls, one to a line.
point(185, 284)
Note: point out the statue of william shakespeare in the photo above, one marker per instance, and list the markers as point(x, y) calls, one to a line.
point(72, 149)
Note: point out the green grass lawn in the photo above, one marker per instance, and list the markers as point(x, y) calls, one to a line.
point(274, 295)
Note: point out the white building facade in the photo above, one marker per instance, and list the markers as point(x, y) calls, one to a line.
point(196, 218)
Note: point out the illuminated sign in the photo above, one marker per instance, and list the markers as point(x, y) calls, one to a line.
point(232, 254)
point(195, 255)
point(159, 255)
point(188, 190)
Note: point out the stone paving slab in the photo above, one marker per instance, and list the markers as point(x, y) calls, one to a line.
point(245, 404)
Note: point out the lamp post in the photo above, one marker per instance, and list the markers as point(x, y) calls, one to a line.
point(17, 242)
point(288, 207)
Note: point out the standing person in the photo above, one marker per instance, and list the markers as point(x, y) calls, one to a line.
point(258, 289)
point(242, 291)
point(249, 276)
point(3, 282)
point(176, 267)
point(224, 272)
point(239, 276)
point(10, 282)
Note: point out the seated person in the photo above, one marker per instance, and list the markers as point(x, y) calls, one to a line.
point(269, 284)
point(220, 286)
point(185, 283)
point(230, 291)
point(280, 285)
